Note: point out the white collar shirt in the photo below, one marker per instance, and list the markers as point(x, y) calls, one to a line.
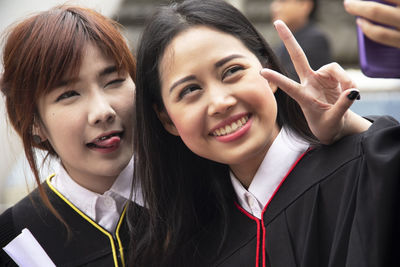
point(283, 153)
point(105, 209)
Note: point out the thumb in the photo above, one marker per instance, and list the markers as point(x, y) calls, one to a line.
point(344, 102)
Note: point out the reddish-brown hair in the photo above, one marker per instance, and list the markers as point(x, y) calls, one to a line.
point(40, 51)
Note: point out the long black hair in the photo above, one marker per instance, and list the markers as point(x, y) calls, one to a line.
point(183, 191)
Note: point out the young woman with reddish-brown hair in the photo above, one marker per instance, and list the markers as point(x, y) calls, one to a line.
point(68, 83)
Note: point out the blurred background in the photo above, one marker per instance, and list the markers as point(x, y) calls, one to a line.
point(378, 96)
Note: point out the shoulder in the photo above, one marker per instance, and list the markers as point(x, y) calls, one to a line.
point(381, 144)
point(11, 223)
point(360, 160)
point(373, 152)
point(386, 125)
point(382, 136)
point(25, 208)
point(7, 229)
point(31, 211)
point(7, 233)
point(378, 147)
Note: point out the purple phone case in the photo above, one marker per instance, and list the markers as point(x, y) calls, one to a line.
point(378, 60)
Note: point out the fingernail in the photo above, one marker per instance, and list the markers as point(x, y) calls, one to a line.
point(276, 22)
point(354, 95)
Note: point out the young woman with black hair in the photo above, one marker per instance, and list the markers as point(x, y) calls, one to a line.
point(231, 172)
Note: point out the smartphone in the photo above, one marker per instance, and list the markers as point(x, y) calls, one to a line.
point(378, 60)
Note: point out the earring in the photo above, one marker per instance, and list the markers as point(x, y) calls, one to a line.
point(36, 139)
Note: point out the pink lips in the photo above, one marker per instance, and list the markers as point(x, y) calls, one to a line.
point(238, 133)
point(106, 143)
point(107, 146)
point(228, 121)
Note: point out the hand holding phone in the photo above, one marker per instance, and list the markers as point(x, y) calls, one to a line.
point(378, 38)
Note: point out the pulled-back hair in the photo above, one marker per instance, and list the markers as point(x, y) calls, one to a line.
point(39, 51)
point(182, 190)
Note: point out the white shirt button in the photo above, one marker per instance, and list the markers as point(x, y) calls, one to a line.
point(108, 202)
point(251, 201)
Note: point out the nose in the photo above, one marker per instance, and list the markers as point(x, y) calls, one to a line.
point(100, 110)
point(221, 100)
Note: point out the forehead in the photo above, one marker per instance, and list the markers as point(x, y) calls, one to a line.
point(94, 59)
point(90, 59)
point(198, 45)
point(198, 37)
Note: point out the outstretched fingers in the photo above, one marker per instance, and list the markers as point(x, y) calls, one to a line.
point(296, 53)
point(292, 88)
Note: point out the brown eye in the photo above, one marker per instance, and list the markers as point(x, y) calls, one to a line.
point(115, 82)
point(231, 71)
point(66, 95)
point(188, 90)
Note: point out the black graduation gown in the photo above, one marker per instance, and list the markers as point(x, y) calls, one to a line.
point(88, 245)
point(339, 206)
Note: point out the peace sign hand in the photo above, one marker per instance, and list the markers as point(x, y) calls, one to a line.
point(324, 95)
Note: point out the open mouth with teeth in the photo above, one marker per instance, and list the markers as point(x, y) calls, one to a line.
point(231, 128)
point(106, 141)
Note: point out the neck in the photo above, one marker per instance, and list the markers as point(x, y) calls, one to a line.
point(247, 169)
point(245, 174)
point(97, 184)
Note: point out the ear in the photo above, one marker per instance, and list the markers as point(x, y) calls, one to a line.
point(166, 121)
point(39, 129)
point(273, 86)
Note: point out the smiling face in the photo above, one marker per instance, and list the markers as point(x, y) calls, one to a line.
point(216, 100)
point(87, 120)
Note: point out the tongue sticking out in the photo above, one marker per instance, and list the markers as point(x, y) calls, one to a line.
point(112, 141)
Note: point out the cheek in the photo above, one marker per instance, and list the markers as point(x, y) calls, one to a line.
point(184, 125)
point(190, 133)
point(70, 124)
point(188, 122)
point(264, 103)
point(62, 122)
point(126, 107)
point(124, 103)
point(262, 94)
point(269, 103)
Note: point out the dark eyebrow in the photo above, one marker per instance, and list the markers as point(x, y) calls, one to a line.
point(226, 59)
point(63, 83)
point(108, 70)
point(185, 79)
